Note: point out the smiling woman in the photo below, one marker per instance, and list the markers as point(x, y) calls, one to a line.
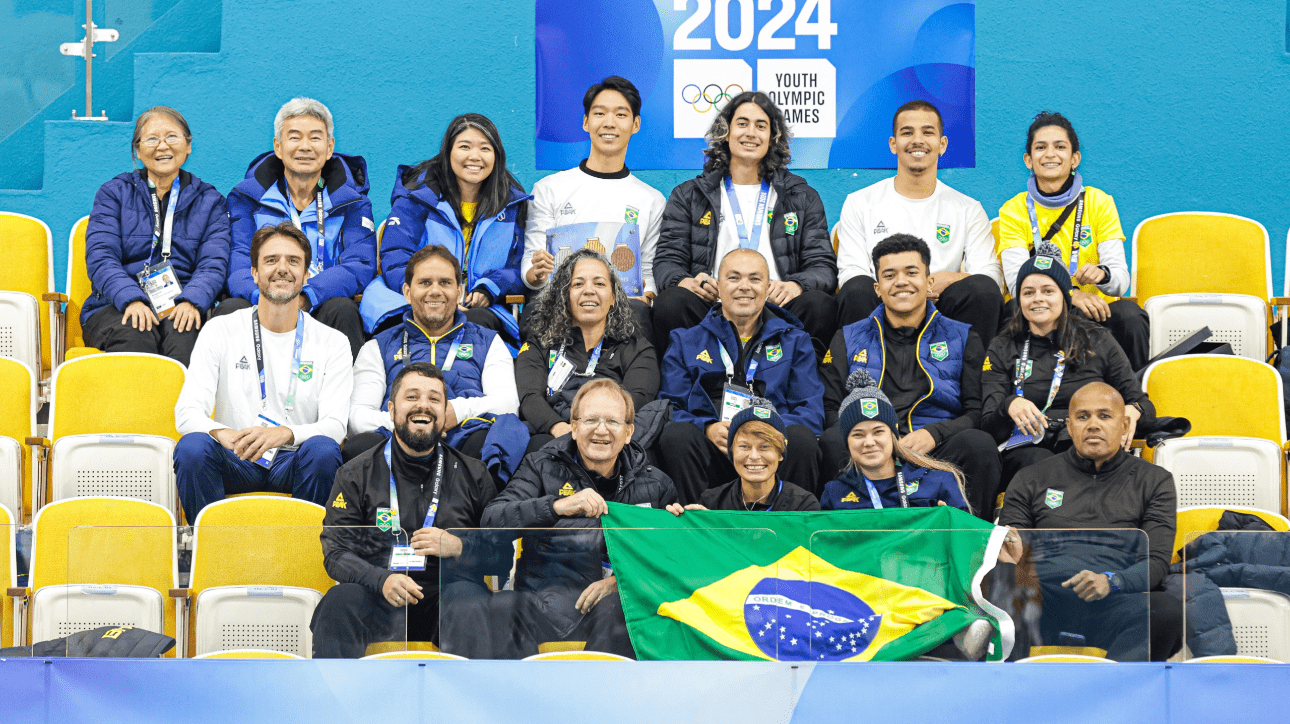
point(156, 247)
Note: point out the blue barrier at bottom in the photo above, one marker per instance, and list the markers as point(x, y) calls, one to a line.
point(63, 690)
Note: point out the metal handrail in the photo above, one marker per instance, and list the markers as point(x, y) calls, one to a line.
point(85, 49)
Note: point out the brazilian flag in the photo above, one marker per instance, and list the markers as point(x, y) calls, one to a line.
point(859, 585)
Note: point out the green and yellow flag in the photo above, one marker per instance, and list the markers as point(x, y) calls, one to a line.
point(878, 585)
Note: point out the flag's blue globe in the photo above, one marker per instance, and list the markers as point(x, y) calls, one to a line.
point(808, 621)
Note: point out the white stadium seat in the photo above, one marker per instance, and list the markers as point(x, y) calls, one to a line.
point(59, 611)
point(1240, 320)
point(20, 329)
point(119, 466)
point(274, 618)
point(1224, 471)
point(1260, 622)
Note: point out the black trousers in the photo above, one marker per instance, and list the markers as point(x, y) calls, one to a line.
point(1128, 324)
point(680, 308)
point(471, 621)
point(974, 300)
point(1118, 623)
point(549, 614)
point(104, 331)
point(339, 313)
point(695, 464)
point(973, 451)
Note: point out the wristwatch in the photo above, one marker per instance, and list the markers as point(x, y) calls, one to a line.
point(1105, 270)
point(1111, 578)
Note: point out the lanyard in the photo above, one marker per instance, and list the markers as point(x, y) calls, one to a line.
point(321, 244)
point(730, 366)
point(1057, 374)
point(431, 512)
point(295, 359)
point(452, 353)
point(591, 363)
point(876, 501)
point(159, 233)
point(747, 241)
point(1075, 233)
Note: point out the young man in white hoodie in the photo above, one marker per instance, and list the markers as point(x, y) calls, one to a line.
point(277, 383)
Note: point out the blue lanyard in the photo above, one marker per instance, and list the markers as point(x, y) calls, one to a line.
point(591, 363)
point(320, 250)
point(452, 353)
point(290, 403)
point(876, 500)
point(162, 234)
point(431, 512)
point(1075, 233)
point(1023, 372)
point(746, 240)
point(752, 364)
point(778, 490)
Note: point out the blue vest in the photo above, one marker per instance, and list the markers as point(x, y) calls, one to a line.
point(940, 353)
point(463, 379)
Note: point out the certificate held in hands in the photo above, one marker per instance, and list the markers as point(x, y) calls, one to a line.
point(621, 242)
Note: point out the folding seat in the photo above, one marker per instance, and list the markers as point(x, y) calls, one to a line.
point(1260, 622)
point(28, 277)
point(257, 575)
point(1200, 269)
point(1224, 471)
point(247, 654)
point(1064, 659)
point(576, 656)
point(18, 402)
point(98, 562)
point(1195, 521)
point(417, 655)
point(70, 338)
point(96, 400)
point(8, 573)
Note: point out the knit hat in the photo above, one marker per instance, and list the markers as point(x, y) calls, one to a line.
point(865, 402)
point(761, 410)
point(1047, 261)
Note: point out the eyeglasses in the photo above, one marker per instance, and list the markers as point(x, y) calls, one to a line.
point(591, 423)
point(171, 140)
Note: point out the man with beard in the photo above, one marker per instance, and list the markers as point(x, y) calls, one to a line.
point(413, 489)
point(278, 383)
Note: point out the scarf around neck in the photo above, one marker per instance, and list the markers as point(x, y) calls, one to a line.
point(1059, 201)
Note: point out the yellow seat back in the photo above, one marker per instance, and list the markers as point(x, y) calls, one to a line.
point(116, 393)
point(1221, 395)
point(113, 541)
point(256, 540)
point(383, 648)
point(1195, 521)
point(18, 403)
point(1065, 659)
point(576, 656)
point(1232, 659)
point(1178, 254)
point(247, 654)
point(417, 655)
point(78, 283)
point(28, 266)
point(8, 573)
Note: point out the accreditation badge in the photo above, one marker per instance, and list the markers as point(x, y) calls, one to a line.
point(162, 287)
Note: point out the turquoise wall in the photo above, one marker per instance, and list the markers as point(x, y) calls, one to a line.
point(1179, 106)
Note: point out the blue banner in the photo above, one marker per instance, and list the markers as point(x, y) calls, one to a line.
point(838, 70)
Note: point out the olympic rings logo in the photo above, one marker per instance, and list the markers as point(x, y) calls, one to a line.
point(711, 94)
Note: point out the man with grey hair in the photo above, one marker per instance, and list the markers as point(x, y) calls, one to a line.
point(322, 193)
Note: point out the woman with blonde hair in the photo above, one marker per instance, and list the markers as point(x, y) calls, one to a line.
point(882, 472)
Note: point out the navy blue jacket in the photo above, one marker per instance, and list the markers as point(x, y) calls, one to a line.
point(260, 200)
point(924, 487)
point(419, 218)
point(118, 242)
point(693, 373)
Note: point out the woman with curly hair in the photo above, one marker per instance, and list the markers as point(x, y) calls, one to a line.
point(583, 328)
point(746, 198)
point(1047, 352)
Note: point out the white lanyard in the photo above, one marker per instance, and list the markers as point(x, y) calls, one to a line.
point(730, 366)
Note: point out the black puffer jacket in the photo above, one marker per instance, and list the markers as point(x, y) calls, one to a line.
point(568, 557)
point(687, 245)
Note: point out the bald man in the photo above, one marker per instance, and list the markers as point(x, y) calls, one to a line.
point(1093, 580)
point(742, 349)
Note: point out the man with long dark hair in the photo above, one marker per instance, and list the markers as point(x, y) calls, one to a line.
point(746, 199)
point(969, 282)
point(601, 189)
point(465, 200)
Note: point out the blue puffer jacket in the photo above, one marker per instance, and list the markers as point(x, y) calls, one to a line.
point(118, 242)
point(924, 488)
point(349, 259)
point(940, 352)
point(693, 372)
point(419, 218)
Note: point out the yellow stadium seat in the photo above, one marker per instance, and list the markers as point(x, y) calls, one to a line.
point(1065, 659)
point(1175, 254)
point(833, 234)
point(29, 268)
point(417, 655)
point(71, 344)
point(388, 647)
point(18, 404)
point(95, 546)
point(8, 573)
point(1221, 395)
point(247, 654)
point(554, 647)
point(1194, 521)
point(1232, 659)
point(255, 540)
point(1093, 651)
point(577, 656)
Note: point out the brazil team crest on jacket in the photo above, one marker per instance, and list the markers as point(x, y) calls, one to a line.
point(306, 372)
point(774, 352)
point(465, 351)
point(631, 215)
point(911, 487)
point(384, 519)
point(1054, 498)
point(943, 233)
point(790, 223)
point(940, 351)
